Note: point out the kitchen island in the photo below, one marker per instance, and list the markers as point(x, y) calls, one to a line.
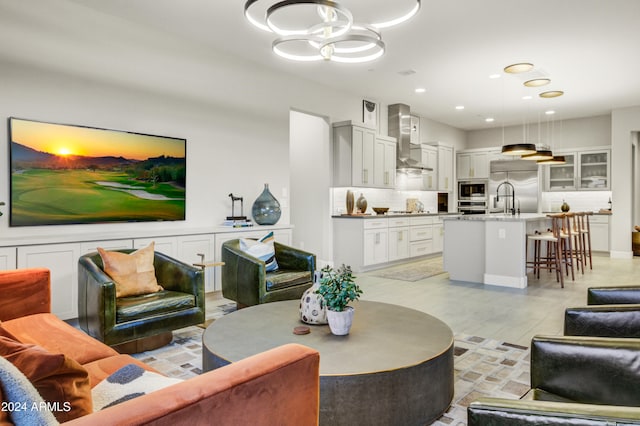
point(490, 248)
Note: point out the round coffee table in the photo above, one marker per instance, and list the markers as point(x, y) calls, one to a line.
point(395, 367)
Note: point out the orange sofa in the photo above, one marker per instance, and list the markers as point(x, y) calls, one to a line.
point(276, 387)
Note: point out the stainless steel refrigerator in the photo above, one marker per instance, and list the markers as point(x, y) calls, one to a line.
point(523, 177)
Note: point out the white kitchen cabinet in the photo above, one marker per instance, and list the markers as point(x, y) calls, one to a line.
point(7, 258)
point(353, 155)
point(398, 238)
point(445, 166)
point(376, 246)
point(473, 165)
point(583, 170)
point(428, 156)
point(62, 261)
point(420, 236)
point(599, 226)
point(384, 168)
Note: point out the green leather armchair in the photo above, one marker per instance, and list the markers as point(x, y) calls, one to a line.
point(115, 321)
point(574, 380)
point(612, 312)
point(246, 281)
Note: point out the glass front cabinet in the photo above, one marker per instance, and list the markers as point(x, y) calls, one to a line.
point(583, 170)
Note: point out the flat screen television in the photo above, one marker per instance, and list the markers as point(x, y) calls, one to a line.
point(68, 174)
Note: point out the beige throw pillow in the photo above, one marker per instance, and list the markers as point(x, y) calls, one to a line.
point(133, 273)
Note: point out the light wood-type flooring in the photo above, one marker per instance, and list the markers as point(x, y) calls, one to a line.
point(510, 315)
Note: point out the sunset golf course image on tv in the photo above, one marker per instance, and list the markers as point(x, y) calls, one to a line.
point(69, 174)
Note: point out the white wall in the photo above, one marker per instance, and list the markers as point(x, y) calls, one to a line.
point(564, 134)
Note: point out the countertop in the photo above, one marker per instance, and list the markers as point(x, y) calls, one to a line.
point(522, 217)
point(378, 216)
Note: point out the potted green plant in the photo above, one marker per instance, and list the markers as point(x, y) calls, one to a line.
point(338, 288)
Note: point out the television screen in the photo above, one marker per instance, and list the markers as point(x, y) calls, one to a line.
point(68, 174)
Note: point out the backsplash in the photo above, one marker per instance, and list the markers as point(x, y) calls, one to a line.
point(395, 200)
point(577, 200)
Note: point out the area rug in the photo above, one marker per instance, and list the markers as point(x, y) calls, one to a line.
point(483, 367)
point(413, 271)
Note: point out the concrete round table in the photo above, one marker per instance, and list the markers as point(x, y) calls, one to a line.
point(394, 368)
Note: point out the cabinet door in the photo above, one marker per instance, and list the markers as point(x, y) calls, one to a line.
point(7, 258)
point(389, 178)
point(594, 170)
point(438, 237)
point(445, 168)
point(375, 246)
point(166, 245)
point(464, 168)
point(92, 246)
point(189, 250)
point(398, 243)
point(480, 168)
point(599, 227)
point(430, 159)
point(62, 261)
point(562, 177)
point(363, 156)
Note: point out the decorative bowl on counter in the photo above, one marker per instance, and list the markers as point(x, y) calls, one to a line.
point(380, 210)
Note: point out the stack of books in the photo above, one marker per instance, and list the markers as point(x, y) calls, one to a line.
point(237, 223)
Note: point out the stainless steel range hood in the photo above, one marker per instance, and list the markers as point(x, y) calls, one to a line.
point(399, 120)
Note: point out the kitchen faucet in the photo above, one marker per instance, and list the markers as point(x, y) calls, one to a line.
point(513, 196)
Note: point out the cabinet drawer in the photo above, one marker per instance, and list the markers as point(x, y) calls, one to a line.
point(421, 220)
point(420, 248)
point(400, 221)
point(375, 223)
point(419, 233)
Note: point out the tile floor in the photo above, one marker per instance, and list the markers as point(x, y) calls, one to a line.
point(509, 315)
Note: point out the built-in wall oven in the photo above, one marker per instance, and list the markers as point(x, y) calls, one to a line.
point(473, 197)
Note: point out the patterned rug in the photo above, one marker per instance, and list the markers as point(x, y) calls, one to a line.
point(483, 367)
point(413, 271)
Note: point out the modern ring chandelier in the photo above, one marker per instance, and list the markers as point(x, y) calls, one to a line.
point(316, 30)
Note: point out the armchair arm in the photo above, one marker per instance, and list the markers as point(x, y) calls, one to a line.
point(294, 259)
point(507, 412)
point(242, 275)
point(603, 321)
point(24, 292)
point(96, 299)
point(613, 295)
point(593, 370)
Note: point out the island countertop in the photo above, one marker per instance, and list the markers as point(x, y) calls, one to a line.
point(522, 217)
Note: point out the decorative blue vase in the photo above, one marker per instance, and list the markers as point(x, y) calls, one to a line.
point(266, 209)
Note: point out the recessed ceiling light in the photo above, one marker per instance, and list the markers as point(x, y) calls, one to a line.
point(421, 90)
point(518, 68)
point(550, 112)
point(459, 107)
point(537, 82)
point(494, 76)
point(527, 97)
point(489, 119)
point(551, 94)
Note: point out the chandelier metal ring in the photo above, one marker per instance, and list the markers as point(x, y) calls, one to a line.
point(346, 55)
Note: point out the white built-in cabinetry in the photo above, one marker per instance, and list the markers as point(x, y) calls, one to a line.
point(370, 243)
point(599, 228)
point(588, 169)
point(427, 155)
point(445, 166)
point(361, 158)
point(475, 164)
point(60, 255)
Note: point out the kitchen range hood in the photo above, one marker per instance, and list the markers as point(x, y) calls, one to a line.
point(399, 119)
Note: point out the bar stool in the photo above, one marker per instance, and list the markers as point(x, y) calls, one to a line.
point(585, 229)
point(551, 260)
point(566, 242)
point(574, 221)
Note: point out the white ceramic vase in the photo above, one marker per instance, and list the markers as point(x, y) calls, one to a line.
point(313, 309)
point(340, 322)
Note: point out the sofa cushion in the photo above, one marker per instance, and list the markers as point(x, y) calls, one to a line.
point(19, 391)
point(283, 279)
point(142, 306)
point(58, 378)
point(102, 368)
point(263, 249)
point(129, 382)
point(133, 273)
point(56, 336)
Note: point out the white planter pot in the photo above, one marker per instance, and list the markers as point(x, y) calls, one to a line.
point(340, 322)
